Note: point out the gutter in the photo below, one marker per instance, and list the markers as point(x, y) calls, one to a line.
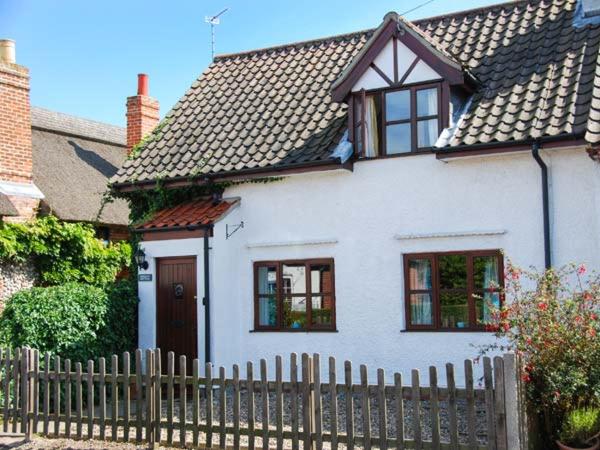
point(331, 164)
point(535, 152)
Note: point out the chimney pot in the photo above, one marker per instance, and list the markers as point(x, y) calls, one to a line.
point(142, 84)
point(7, 51)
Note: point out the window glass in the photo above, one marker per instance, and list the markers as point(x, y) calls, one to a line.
point(421, 309)
point(322, 307)
point(453, 271)
point(267, 280)
point(485, 272)
point(397, 105)
point(357, 109)
point(295, 276)
point(267, 311)
point(398, 138)
point(294, 312)
point(485, 304)
point(427, 132)
point(427, 104)
point(454, 309)
point(321, 280)
point(358, 144)
point(419, 274)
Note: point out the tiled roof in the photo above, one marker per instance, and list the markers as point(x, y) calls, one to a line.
point(44, 119)
point(272, 107)
point(200, 212)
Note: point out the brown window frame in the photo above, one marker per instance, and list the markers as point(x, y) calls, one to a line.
point(280, 294)
point(357, 112)
point(435, 290)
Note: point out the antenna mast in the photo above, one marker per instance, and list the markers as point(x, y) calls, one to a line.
point(214, 20)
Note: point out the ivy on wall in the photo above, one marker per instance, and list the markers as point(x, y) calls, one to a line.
point(63, 252)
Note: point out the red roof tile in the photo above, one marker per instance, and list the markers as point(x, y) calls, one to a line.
point(199, 212)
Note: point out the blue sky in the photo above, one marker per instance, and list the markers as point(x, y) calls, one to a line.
point(84, 55)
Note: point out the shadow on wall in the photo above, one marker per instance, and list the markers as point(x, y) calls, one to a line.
point(106, 168)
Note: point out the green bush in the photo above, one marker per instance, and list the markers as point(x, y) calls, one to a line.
point(74, 321)
point(580, 426)
point(63, 252)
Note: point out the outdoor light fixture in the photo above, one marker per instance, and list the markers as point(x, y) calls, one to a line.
point(140, 259)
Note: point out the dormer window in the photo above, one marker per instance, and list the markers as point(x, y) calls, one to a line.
point(394, 121)
point(398, 90)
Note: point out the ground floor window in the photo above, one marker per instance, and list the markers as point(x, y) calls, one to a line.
point(295, 295)
point(452, 290)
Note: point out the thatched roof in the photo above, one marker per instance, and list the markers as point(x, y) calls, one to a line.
point(73, 158)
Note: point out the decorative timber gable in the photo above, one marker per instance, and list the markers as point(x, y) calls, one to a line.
point(398, 54)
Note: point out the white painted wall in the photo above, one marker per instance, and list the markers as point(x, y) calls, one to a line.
point(356, 218)
point(359, 214)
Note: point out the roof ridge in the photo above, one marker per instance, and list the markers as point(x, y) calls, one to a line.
point(466, 12)
point(47, 119)
point(292, 44)
point(304, 43)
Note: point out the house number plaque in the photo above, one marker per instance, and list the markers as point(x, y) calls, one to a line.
point(144, 277)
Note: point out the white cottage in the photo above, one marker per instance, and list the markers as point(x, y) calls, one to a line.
point(399, 165)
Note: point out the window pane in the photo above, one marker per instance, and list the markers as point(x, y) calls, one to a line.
point(322, 306)
point(267, 280)
point(421, 309)
point(427, 102)
point(267, 311)
point(321, 279)
point(294, 312)
point(454, 310)
point(485, 272)
point(427, 131)
point(294, 278)
point(485, 304)
point(398, 138)
point(453, 271)
point(372, 125)
point(397, 105)
point(419, 274)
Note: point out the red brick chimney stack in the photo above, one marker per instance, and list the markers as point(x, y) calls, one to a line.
point(15, 117)
point(142, 113)
point(16, 154)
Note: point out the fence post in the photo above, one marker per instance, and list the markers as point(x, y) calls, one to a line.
point(500, 404)
point(511, 396)
point(149, 397)
point(25, 393)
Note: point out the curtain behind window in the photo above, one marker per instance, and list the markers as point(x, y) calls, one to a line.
point(371, 128)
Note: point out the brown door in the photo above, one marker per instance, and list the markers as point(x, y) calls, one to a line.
point(176, 320)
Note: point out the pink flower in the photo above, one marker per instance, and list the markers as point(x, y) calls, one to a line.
point(581, 269)
point(542, 306)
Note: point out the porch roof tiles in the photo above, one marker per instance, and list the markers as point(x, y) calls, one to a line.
point(192, 214)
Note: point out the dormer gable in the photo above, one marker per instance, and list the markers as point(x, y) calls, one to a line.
point(399, 89)
point(398, 54)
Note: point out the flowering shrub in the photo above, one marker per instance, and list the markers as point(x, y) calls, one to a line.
point(551, 321)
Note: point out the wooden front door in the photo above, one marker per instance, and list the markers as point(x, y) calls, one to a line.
point(176, 321)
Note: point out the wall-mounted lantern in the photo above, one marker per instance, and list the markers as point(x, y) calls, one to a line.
point(140, 259)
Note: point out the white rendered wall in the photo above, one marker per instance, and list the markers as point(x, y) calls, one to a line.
point(359, 214)
point(147, 289)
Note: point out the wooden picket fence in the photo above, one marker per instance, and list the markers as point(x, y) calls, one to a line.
point(140, 401)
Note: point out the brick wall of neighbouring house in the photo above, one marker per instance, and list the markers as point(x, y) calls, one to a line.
point(15, 277)
point(119, 233)
point(15, 124)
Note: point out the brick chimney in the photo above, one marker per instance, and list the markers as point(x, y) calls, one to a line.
point(142, 113)
point(16, 156)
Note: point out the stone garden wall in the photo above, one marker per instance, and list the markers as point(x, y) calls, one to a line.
point(15, 277)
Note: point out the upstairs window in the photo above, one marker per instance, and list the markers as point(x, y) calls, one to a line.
point(296, 295)
point(397, 121)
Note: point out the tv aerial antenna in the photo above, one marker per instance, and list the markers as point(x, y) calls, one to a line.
point(214, 20)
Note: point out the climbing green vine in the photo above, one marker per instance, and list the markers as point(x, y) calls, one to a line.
point(63, 252)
